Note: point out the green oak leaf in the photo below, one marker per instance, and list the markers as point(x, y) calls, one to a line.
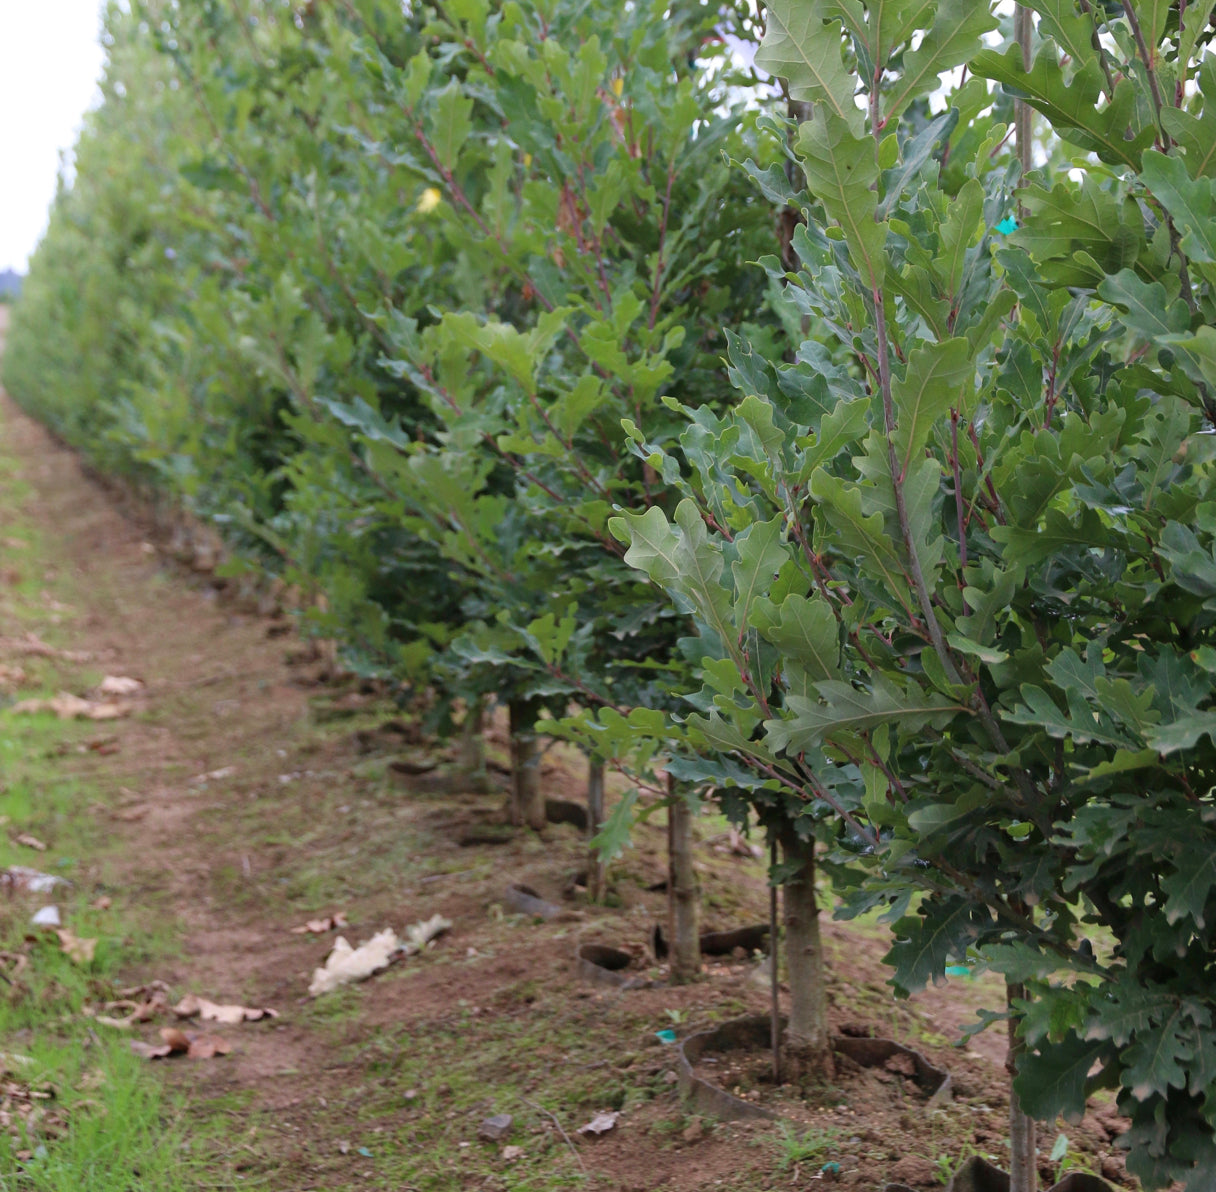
point(1052, 1082)
point(1075, 106)
point(803, 48)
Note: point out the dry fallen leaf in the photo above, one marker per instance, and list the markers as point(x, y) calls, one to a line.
point(142, 1004)
point(11, 676)
point(11, 965)
point(157, 991)
point(35, 646)
point(103, 903)
point(205, 1047)
point(150, 1008)
point(71, 707)
point(511, 1153)
point(65, 705)
point(120, 685)
point(121, 1024)
point(192, 1005)
point(192, 1044)
point(29, 841)
point(150, 1051)
point(321, 926)
point(77, 950)
point(173, 1042)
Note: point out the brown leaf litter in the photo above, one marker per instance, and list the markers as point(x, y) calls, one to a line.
point(192, 1005)
point(27, 1109)
point(67, 706)
point(33, 646)
point(77, 950)
point(334, 922)
point(11, 676)
point(194, 1045)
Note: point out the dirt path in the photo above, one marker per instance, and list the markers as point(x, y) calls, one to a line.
point(245, 799)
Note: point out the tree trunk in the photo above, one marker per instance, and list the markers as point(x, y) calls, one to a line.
point(1023, 1166)
point(1022, 131)
point(595, 818)
point(808, 1044)
point(527, 798)
point(774, 985)
point(471, 748)
point(683, 897)
point(1023, 1169)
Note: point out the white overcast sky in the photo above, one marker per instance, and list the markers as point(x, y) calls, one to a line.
point(50, 62)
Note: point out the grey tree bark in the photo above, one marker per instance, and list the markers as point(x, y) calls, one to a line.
point(1023, 1166)
point(527, 799)
point(1022, 111)
point(471, 748)
point(595, 818)
point(1023, 1169)
point(683, 895)
point(808, 1043)
point(774, 984)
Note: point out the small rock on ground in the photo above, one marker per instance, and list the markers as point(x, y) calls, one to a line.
point(495, 1128)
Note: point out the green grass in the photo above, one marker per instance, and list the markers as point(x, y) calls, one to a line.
point(79, 1111)
point(105, 1124)
point(810, 1145)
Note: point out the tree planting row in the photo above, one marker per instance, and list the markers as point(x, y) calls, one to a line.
point(830, 437)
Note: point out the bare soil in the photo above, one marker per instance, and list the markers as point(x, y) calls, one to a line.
point(248, 796)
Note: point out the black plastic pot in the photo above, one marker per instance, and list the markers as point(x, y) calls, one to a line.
point(599, 964)
point(978, 1175)
point(523, 900)
point(718, 943)
point(755, 1031)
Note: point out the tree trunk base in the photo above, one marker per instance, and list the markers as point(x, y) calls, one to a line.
point(470, 756)
point(805, 1061)
point(527, 798)
point(683, 891)
point(806, 1053)
point(595, 818)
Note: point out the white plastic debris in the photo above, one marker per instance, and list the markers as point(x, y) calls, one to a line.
point(600, 1124)
point(19, 877)
point(48, 916)
point(120, 685)
point(346, 964)
point(418, 935)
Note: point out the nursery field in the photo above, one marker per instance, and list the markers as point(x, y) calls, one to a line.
point(517, 510)
point(242, 793)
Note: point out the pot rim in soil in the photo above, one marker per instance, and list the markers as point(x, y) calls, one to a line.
point(755, 1030)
